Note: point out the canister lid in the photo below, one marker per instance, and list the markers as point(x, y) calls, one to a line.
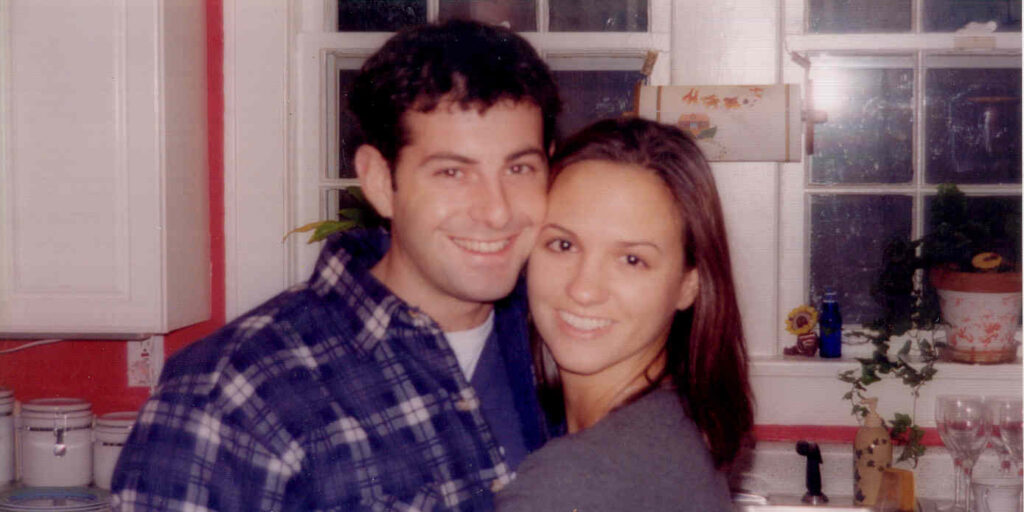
point(120, 419)
point(55, 405)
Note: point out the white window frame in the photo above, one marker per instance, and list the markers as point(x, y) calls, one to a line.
point(322, 51)
point(713, 43)
point(780, 381)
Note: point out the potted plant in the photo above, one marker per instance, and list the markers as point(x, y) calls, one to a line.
point(974, 266)
point(912, 288)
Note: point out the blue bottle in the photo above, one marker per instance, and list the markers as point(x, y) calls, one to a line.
point(831, 322)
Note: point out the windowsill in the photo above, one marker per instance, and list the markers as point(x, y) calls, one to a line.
point(796, 366)
point(806, 391)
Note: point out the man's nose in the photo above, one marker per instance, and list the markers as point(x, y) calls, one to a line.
point(491, 206)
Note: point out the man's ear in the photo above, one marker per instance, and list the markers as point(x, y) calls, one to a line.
point(375, 179)
point(688, 289)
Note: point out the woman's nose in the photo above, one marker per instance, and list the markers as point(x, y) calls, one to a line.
point(587, 284)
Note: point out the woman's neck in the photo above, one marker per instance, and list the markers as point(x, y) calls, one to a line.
point(589, 398)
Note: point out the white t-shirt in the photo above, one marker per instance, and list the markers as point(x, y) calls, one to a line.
point(469, 344)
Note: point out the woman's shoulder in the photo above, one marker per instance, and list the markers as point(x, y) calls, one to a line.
point(649, 445)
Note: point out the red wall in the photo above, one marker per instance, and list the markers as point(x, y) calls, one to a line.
point(96, 370)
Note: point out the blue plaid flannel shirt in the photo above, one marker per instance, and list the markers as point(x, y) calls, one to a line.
point(334, 395)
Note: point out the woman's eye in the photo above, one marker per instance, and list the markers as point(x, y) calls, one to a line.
point(560, 245)
point(634, 261)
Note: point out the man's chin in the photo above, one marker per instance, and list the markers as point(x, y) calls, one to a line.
point(487, 294)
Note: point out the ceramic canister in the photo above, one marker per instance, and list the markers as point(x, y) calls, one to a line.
point(110, 433)
point(56, 442)
point(6, 435)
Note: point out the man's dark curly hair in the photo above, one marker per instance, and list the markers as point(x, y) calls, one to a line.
point(473, 64)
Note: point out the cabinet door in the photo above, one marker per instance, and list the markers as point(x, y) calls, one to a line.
point(103, 188)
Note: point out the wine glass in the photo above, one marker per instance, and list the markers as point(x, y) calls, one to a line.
point(966, 424)
point(941, 403)
point(1005, 416)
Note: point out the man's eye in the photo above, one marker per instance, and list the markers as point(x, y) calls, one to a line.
point(450, 172)
point(520, 168)
point(560, 245)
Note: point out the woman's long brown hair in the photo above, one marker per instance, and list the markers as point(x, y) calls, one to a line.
point(706, 356)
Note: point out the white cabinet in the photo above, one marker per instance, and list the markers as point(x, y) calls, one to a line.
point(103, 167)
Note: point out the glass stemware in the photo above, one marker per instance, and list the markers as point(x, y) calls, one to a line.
point(940, 426)
point(964, 421)
point(1005, 419)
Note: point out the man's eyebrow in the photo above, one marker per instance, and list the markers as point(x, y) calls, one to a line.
point(446, 155)
point(463, 159)
point(527, 152)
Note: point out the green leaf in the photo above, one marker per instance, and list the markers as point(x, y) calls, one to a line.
point(354, 214)
point(868, 376)
point(302, 229)
point(905, 349)
point(329, 227)
point(356, 192)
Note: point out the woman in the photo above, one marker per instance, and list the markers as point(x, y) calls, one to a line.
point(631, 291)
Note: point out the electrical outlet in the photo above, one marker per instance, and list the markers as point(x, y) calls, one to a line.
point(145, 361)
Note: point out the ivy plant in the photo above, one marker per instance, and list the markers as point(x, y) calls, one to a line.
point(911, 308)
point(909, 311)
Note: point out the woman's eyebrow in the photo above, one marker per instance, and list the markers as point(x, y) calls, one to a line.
point(558, 227)
point(627, 244)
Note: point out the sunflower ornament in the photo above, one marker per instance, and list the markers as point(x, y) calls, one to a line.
point(987, 262)
point(801, 321)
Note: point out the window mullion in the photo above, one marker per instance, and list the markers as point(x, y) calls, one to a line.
point(433, 10)
point(919, 136)
point(917, 16)
point(543, 16)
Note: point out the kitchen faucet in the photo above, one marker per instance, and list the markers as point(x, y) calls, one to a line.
point(814, 496)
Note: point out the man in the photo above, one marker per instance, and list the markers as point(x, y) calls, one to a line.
point(399, 376)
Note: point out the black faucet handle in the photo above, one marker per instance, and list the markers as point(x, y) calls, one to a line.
point(813, 478)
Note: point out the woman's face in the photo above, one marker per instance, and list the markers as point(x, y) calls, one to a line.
point(607, 274)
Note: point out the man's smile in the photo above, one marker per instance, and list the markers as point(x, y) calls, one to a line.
point(482, 246)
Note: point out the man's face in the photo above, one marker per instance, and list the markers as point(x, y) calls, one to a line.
point(468, 197)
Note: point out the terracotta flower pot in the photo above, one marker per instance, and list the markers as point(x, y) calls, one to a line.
point(981, 312)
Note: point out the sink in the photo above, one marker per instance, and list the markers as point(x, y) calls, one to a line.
point(787, 503)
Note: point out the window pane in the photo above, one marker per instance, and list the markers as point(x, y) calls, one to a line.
point(591, 95)
point(349, 136)
point(519, 15)
point(847, 16)
point(950, 15)
point(997, 216)
point(598, 15)
point(848, 234)
point(380, 15)
point(868, 137)
point(973, 125)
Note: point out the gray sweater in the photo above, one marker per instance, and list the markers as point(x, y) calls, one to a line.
point(647, 455)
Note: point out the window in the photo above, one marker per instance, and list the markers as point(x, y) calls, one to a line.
point(277, 174)
point(596, 53)
point(911, 105)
